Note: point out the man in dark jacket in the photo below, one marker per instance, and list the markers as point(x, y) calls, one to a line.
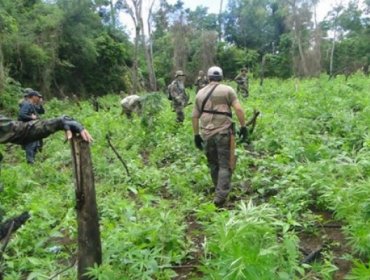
point(28, 111)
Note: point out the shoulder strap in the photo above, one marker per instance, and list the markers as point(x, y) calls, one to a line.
point(212, 111)
point(207, 97)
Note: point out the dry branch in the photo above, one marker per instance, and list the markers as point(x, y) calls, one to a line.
point(64, 270)
point(117, 154)
point(253, 121)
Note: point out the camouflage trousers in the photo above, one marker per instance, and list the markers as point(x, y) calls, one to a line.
point(217, 149)
point(243, 88)
point(127, 112)
point(178, 107)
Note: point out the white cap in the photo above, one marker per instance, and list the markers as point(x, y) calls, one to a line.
point(214, 71)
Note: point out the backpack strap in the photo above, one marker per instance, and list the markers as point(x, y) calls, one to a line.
point(212, 111)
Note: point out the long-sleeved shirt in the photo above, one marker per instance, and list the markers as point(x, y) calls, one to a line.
point(27, 109)
point(19, 132)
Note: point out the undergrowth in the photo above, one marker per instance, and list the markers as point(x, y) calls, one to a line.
point(310, 150)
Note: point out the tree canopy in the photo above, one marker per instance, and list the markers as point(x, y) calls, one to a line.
point(81, 47)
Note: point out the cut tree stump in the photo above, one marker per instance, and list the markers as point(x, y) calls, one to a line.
point(89, 244)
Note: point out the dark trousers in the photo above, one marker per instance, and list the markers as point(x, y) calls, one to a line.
point(218, 155)
point(31, 150)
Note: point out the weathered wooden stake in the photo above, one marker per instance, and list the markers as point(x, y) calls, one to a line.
point(89, 244)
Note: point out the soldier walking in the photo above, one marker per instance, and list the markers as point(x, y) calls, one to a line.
point(212, 115)
point(178, 96)
point(201, 81)
point(243, 82)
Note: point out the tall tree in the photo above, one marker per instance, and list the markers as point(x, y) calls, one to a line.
point(349, 47)
point(253, 23)
point(180, 32)
point(148, 47)
point(134, 9)
point(300, 19)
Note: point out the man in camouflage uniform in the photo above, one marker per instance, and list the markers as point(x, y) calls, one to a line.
point(177, 94)
point(131, 104)
point(212, 113)
point(243, 83)
point(201, 81)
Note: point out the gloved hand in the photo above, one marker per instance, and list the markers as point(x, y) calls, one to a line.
point(243, 133)
point(198, 141)
point(72, 125)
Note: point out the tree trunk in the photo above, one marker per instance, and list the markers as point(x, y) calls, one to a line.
point(180, 45)
point(220, 21)
point(149, 50)
point(89, 244)
point(317, 53)
point(331, 67)
point(112, 14)
point(135, 64)
point(147, 57)
point(302, 56)
point(297, 35)
point(262, 73)
point(2, 72)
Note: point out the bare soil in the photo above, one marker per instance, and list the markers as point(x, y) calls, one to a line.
point(189, 269)
point(330, 237)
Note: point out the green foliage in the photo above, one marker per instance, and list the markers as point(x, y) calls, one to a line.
point(243, 245)
point(10, 96)
point(232, 59)
point(310, 151)
point(254, 24)
point(361, 271)
point(152, 105)
point(62, 47)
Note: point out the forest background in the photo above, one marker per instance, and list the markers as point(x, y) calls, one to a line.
point(308, 159)
point(65, 47)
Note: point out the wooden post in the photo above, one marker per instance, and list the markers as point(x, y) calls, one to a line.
point(89, 244)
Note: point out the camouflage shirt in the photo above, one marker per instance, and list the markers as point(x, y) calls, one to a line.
point(241, 79)
point(201, 82)
point(131, 103)
point(177, 92)
point(18, 132)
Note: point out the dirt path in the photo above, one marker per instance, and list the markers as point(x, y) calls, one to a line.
point(189, 269)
